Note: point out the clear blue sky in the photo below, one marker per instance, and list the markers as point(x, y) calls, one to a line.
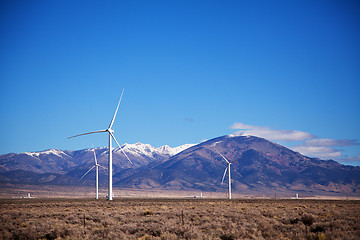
point(192, 70)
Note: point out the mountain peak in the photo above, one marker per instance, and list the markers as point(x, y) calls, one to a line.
point(165, 150)
point(56, 152)
point(259, 165)
point(149, 150)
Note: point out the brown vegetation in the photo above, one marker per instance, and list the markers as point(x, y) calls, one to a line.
point(178, 219)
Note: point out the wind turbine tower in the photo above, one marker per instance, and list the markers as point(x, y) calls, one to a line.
point(96, 166)
point(228, 167)
point(111, 137)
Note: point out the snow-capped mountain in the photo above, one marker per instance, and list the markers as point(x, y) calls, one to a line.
point(59, 161)
point(142, 149)
point(56, 152)
point(53, 160)
point(259, 166)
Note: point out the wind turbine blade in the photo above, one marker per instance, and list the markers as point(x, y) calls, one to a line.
point(87, 172)
point(222, 181)
point(221, 155)
point(95, 156)
point(87, 133)
point(113, 119)
point(104, 169)
point(112, 135)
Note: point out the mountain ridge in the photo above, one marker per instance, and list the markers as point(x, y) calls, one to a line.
point(259, 166)
point(72, 158)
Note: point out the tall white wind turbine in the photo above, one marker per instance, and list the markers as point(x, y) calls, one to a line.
point(228, 167)
point(96, 166)
point(111, 136)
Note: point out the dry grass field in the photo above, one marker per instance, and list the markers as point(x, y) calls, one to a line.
point(178, 219)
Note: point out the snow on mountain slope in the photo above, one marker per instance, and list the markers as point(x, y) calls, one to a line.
point(48, 161)
point(56, 152)
point(58, 161)
point(134, 149)
point(150, 151)
point(181, 148)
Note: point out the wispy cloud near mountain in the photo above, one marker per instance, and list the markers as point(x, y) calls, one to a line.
point(351, 160)
point(272, 134)
point(317, 151)
point(324, 148)
point(310, 145)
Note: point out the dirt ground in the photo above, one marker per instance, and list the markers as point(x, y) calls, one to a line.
point(179, 219)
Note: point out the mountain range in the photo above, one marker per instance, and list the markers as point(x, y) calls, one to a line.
point(58, 167)
point(259, 166)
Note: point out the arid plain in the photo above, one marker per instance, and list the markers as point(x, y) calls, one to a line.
point(175, 218)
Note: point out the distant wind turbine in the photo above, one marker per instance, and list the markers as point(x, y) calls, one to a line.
point(96, 166)
point(111, 136)
point(228, 167)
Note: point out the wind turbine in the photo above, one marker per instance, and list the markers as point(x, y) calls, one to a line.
point(228, 167)
point(96, 166)
point(111, 136)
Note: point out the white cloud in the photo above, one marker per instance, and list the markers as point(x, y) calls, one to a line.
point(350, 160)
point(323, 147)
point(271, 134)
point(317, 151)
point(239, 125)
point(330, 142)
point(310, 145)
